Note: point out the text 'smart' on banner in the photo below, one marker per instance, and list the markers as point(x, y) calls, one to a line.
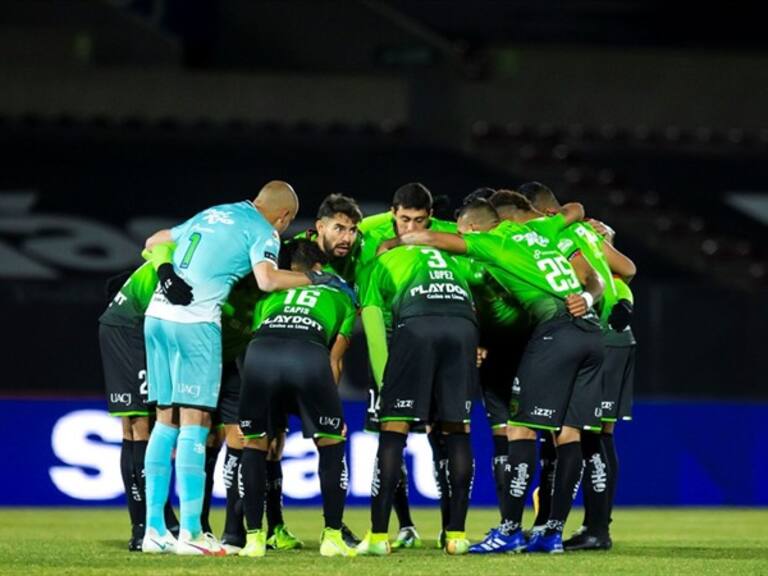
point(67, 452)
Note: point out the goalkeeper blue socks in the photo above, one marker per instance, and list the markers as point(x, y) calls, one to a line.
point(157, 469)
point(190, 472)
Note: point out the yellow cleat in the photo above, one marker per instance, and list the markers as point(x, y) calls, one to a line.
point(456, 543)
point(332, 544)
point(374, 545)
point(255, 544)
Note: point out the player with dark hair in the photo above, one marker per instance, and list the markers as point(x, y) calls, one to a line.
point(429, 378)
point(411, 209)
point(557, 385)
point(580, 243)
point(300, 323)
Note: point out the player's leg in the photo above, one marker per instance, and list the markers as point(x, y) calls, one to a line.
point(233, 537)
point(212, 448)
point(405, 398)
point(228, 417)
point(543, 493)
point(279, 537)
point(262, 373)
point(196, 350)
point(162, 440)
point(317, 397)
point(582, 349)
point(455, 384)
point(407, 535)
point(122, 353)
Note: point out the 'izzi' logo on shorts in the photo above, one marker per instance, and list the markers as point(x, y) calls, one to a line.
point(191, 389)
point(607, 405)
point(333, 422)
point(544, 412)
point(403, 403)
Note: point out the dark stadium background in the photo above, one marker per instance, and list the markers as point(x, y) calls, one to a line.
point(119, 117)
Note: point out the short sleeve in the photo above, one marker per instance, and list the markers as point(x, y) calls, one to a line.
point(266, 249)
point(567, 244)
point(178, 232)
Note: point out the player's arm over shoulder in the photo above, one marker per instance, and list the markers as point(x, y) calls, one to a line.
point(160, 237)
point(339, 348)
point(619, 263)
point(440, 240)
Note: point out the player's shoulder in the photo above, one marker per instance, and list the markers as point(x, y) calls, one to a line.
point(376, 223)
point(439, 225)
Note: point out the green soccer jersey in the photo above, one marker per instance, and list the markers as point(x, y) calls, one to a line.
point(237, 318)
point(581, 238)
point(525, 260)
point(345, 267)
point(315, 313)
point(418, 281)
point(497, 310)
point(129, 304)
point(627, 337)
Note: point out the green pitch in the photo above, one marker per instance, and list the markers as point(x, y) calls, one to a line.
point(646, 541)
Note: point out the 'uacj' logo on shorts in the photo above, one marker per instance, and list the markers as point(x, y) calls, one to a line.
point(543, 412)
point(191, 389)
point(120, 398)
point(332, 421)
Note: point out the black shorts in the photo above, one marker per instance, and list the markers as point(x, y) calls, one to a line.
point(289, 376)
point(228, 409)
point(559, 382)
point(505, 349)
point(431, 374)
point(125, 370)
point(618, 382)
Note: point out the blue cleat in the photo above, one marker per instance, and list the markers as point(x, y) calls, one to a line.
point(547, 543)
point(497, 543)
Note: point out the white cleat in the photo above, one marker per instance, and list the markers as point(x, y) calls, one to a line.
point(153, 543)
point(205, 544)
point(231, 549)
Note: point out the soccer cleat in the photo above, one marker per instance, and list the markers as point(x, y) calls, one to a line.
point(547, 543)
point(204, 544)
point(255, 544)
point(583, 540)
point(349, 536)
point(374, 545)
point(283, 539)
point(407, 537)
point(153, 543)
point(135, 544)
point(332, 544)
point(536, 501)
point(440, 542)
point(496, 542)
point(232, 543)
point(456, 543)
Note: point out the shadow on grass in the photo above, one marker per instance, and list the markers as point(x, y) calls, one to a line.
point(694, 552)
point(115, 544)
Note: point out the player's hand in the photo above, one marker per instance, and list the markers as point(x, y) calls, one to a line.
point(415, 238)
point(576, 305)
point(602, 228)
point(388, 245)
point(621, 315)
point(333, 281)
point(173, 287)
point(482, 354)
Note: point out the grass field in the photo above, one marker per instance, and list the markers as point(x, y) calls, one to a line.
point(646, 541)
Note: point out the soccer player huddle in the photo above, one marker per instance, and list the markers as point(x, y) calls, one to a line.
point(225, 331)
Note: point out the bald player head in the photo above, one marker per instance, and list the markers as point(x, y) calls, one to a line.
point(477, 216)
point(513, 206)
point(542, 198)
point(278, 203)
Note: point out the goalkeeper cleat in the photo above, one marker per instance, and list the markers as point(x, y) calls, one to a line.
point(496, 542)
point(456, 543)
point(349, 536)
point(204, 544)
point(283, 539)
point(255, 544)
point(407, 537)
point(547, 543)
point(374, 545)
point(332, 544)
point(153, 543)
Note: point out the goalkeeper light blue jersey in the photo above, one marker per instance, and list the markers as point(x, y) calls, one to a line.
point(215, 249)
